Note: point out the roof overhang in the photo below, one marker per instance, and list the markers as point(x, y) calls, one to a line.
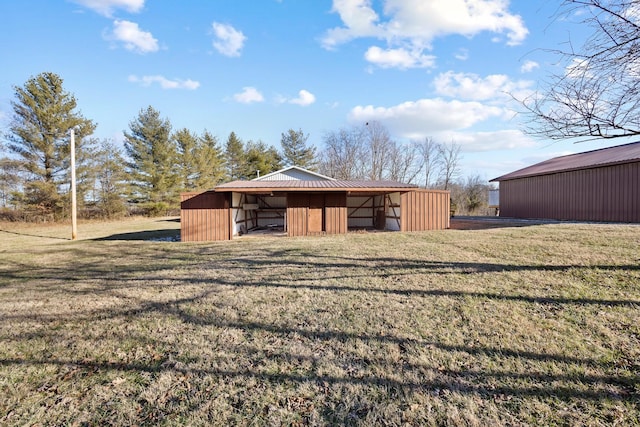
point(336, 186)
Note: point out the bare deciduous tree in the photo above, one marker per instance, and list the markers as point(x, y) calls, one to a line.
point(379, 146)
point(448, 159)
point(428, 153)
point(343, 155)
point(404, 163)
point(597, 93)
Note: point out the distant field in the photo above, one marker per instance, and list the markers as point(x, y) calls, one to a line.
point(529, 325)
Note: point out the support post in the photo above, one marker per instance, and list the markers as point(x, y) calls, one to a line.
point(74, 223)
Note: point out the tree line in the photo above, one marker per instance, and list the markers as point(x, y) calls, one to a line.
point(156, 163)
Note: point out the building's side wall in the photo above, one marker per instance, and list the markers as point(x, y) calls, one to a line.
point(424, 210)
point(334, 216)
point(609, 193)
point(205, 217)
point(335, 213)
point(297, 214)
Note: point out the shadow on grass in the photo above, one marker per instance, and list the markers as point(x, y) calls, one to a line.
point(33, 235)
point(450, 380)
point(169, 234)
point(556, 385)
point(563, 377)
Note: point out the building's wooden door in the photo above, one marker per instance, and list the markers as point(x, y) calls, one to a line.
point(315, 221)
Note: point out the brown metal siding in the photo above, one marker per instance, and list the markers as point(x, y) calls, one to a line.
point(424, 210)
point(609, 193)
point(336, 213)
point(204, 217)
point(297, 214)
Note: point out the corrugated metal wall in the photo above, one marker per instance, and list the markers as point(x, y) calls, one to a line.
point(424, 210)
point(204, 217)
point(297, 214)
point(207, 216)
point(334, 218)
point(290, 175)
point(335, 213)
point(609, 193)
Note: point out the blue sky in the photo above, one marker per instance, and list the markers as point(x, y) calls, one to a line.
point(440, 69)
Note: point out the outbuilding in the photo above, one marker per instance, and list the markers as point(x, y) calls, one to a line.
point(305, 203)
point(598, 185)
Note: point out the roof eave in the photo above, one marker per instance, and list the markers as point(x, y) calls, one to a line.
point(507, 177)
point(269, 190)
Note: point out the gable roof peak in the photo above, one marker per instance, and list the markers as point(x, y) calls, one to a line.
point(294, 173)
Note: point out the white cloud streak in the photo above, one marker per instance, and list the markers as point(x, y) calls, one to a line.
point(133, 38)
point(107, 7)
point(399, 58)
point(164, 82)
point(412, 25)
point(432, 115)
point(228, 41)
point(528, 66)
point(249, 95)
point(470, 86)
point(304, 98)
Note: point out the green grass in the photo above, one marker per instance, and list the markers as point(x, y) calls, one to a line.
point(532, 325)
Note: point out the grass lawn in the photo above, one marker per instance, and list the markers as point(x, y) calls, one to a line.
point(534, 325)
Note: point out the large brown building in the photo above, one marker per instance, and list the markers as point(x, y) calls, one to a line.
point(599, 185)
point(303, 203)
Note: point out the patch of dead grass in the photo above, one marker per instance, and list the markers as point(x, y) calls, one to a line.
point(507, 326)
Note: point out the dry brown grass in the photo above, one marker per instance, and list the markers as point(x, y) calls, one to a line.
point(506, 326)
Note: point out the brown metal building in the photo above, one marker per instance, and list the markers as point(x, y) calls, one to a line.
point(304, 203)
point(599, 185)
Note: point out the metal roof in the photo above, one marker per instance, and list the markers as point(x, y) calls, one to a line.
point(314, 186)
point(627, 153)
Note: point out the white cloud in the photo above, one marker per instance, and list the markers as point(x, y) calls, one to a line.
point(133, 38)
point(529, 66)
point(398, 58)
point(228, 41)
point(416, 119)
point(359, 18)
point(165, 83)
point(248, 95)
point(462, 55)
point(413, 24)
point(578, 68)
point(107, 7)
point(470, 86)
point(508, 139)
point(304, 98)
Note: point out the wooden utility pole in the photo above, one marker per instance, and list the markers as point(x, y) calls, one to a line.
point(74, 223)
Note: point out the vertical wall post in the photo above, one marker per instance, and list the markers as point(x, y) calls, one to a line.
point(74, 208)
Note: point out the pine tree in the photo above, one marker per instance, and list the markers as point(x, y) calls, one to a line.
point(110, 179)
point(44, 114)
point(234, 157)
point(152, 166)
point(209, 161)
point(187, 144)
point(260, 160)
point(296, 152)
point(10, 181)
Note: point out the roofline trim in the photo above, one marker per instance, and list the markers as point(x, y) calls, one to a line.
point(595, 166)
